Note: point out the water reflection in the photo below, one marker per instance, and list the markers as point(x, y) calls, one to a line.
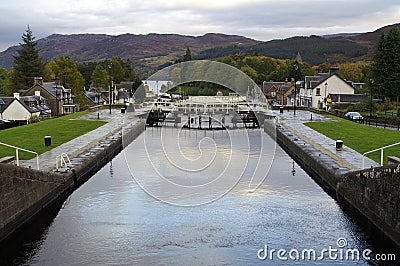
point(113, 221)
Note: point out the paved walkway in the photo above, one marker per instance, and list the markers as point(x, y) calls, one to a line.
point(81, 145)
point(346, 158)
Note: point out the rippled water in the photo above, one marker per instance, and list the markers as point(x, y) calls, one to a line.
point(111, 220)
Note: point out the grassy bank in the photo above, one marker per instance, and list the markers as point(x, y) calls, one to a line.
point(31, 137)
point(361, 138)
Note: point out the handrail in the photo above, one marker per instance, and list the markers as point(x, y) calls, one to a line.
point(381, 149)
point(17, 153)
point(62, 160)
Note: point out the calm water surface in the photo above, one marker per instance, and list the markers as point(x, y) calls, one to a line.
point(111, 220)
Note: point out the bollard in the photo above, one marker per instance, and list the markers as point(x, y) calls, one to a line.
point(311, 117)
point(339, 145)
point(47, 141)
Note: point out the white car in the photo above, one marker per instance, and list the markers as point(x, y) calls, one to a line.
point(354, 116)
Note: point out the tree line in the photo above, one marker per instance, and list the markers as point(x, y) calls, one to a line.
point(77, 77)
point(382, 74)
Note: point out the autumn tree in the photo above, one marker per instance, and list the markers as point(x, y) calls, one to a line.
point(352, 72)
point(27, 63)
point(65, 70)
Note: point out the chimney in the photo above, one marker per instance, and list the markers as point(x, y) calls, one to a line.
point(16, 95)
point(38, 80)
point(37, 93)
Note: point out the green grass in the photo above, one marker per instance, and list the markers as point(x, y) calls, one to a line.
point(31, 137)
point(361, 138)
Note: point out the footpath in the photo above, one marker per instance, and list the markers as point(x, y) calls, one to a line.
point(346, 159)
point(81, 147)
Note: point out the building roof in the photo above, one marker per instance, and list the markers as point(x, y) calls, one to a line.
point(272, 85)
point(55, 89)
point(25, 102)
point(124, 85)
point(94, 97)
point(123, 95)
point(348, 98)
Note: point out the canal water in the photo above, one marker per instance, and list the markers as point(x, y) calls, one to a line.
point(115, 219)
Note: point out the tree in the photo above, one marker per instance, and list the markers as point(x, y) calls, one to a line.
point(188, 55)
point(386, 65)
point(100, 77)
point(4, 82)
point(352, 72)
point(66, 71)
point(27, 64)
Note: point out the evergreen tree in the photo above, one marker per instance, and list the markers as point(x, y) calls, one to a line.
point(27, 64)
point(386, 65)
point(188, 55)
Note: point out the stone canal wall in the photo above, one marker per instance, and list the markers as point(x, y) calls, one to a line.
point(376, 194)
point(25, 193)
point(370, 194)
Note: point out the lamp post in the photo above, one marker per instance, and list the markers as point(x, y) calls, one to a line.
point(371, 81)
point(296, 68)
point(326, 102)
point(109, 72)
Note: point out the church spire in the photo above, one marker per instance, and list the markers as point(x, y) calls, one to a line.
point(298, 57)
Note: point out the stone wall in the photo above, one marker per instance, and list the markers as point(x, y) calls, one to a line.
point(376, 194)
point(23, 192)
point(26, 193)
point(373, 194)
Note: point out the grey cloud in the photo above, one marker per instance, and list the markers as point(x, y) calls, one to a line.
point(258, 19)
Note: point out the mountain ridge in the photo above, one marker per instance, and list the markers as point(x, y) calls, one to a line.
point(88, 47)
point(147, 52)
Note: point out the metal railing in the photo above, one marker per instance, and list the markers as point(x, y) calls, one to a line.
point(64, 160)
point(17, 153)
point(379, 149)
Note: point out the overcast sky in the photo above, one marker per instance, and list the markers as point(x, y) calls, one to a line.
point(258, 19)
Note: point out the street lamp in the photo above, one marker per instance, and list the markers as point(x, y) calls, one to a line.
point(296, 68)
point(109, 72)
point(326, 102)
point(371, 81)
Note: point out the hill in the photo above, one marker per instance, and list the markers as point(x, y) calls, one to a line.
point(99, 47)
point(334, 48)
point(314, 49)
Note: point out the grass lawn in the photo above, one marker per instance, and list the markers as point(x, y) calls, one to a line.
point(361, 138)
point(31, 137)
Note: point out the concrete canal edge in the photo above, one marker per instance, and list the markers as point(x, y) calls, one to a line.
point(26, 194)
point(372, 196)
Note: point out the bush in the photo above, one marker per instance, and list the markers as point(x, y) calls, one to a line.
point(386, 105)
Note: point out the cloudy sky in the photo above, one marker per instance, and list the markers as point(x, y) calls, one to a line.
point(259, 19)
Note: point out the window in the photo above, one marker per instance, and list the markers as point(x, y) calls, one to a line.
point(318, 92)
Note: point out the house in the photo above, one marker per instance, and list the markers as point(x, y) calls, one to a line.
point(314, 90)
point(60, 99)
point(276, 92)
point(122, 93)
point(24, 108)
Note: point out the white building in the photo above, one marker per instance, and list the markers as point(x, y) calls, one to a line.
point(314, 90)
point(23, 108)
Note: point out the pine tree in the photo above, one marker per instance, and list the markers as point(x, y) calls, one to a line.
point(386, 65)
point(27, 64)
point(188, 55)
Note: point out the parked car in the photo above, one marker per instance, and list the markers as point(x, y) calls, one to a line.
point(354, 116)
